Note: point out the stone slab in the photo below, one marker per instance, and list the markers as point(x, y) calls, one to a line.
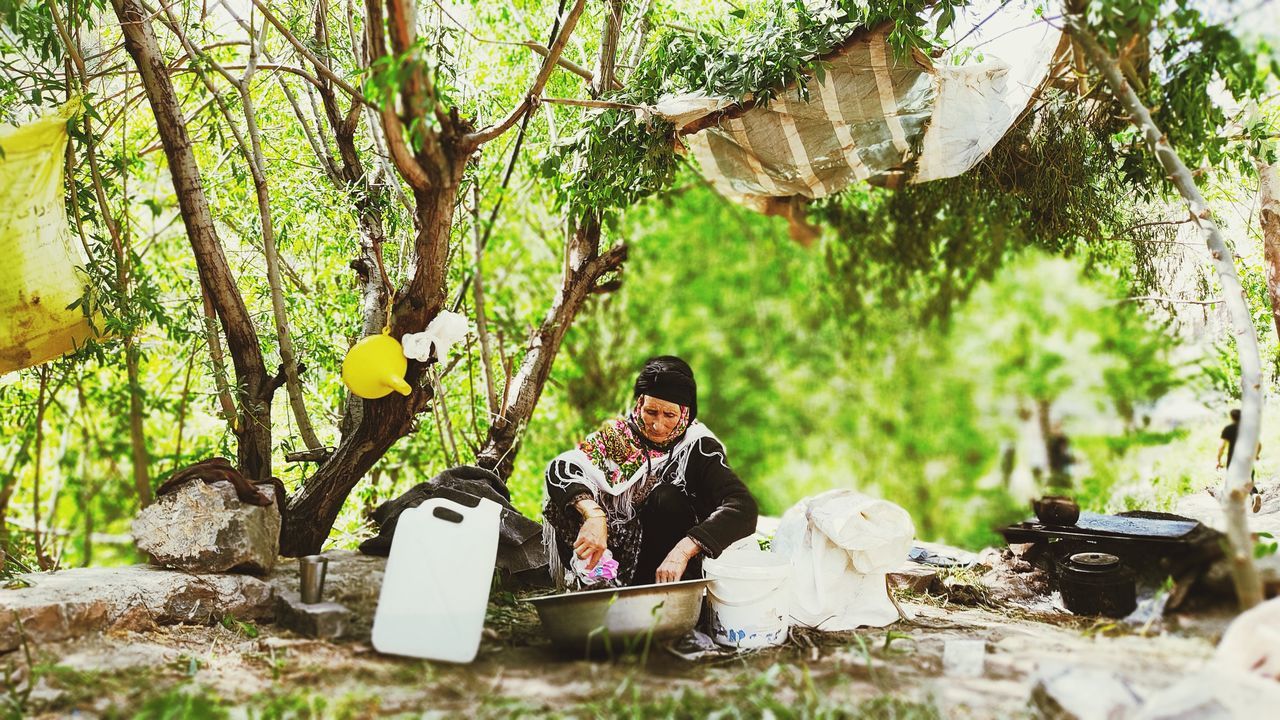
point(72, 603)
point(325, 620)
point(917, 578)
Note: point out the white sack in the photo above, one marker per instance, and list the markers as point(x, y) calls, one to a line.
point(841, 545)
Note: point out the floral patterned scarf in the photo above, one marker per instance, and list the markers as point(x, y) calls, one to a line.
point(619, 447)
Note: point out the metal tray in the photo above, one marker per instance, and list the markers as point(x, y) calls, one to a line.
point(616, 620)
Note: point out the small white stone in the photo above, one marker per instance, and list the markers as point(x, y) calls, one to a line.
point(964, 658)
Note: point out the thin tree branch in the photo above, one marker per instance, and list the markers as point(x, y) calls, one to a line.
point(306, 53)
point(481, 137)
point(591, 103)
point(482, 323)
point(1157, 298)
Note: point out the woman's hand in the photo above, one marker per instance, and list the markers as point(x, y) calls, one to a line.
point(592, 540)
point(672, 568)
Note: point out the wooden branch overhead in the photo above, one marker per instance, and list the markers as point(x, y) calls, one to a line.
point(480, 137)
point(1157, 298)
point(592, 103)
point(310, 56)
point(565, 63)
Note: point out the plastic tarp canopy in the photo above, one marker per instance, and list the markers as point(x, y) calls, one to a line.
point(872, 116)
point(40, 274)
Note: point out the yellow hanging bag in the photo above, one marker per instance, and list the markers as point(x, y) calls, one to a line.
point(40, 268)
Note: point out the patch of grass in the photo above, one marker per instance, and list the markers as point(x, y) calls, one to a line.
point(292, 706)
point(515, 622)
point(784, 692)
point(964, 585)
point(180, 703)
point(82, 690)
point(413, 672)
point(240, 627)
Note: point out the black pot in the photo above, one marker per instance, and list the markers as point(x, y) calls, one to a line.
point(1095, 583)
point(1056, 510)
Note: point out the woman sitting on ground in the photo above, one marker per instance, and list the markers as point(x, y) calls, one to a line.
point(652, 487)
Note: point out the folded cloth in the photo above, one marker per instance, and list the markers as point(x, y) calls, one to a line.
point(520, 551)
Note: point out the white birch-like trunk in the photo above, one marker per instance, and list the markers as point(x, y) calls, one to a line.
point(1239, 473)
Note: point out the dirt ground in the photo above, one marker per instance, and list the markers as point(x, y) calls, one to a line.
point(244, 670)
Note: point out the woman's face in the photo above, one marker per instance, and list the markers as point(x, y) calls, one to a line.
point(658, 418)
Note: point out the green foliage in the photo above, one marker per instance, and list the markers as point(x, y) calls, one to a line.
point(1050, 183)
point(1039, 332)
point(247, 629)
point(1266, 545)
point(1178, 56)
point(804, 402)
point(182, 703)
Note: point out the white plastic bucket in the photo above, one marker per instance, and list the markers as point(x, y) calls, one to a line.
point(749, 596)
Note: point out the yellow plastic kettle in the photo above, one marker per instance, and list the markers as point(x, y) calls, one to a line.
point(375, 366)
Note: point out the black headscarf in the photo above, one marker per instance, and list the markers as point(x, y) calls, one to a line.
point(669, 378)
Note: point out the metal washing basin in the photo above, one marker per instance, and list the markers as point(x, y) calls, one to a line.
point(617, 620)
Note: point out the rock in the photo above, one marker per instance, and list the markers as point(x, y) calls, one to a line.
point(1082, 693)
point(352, 580)
point(964, 658)
point(1186, 701)
point(105, 656)
point(72, 603)
point(204, 528)
point(326, 620)
point(917, 578)
point(1242, 680)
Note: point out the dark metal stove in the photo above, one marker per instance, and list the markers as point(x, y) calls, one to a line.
point(1148, 547)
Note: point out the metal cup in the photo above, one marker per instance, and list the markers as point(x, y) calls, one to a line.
point(311, 572)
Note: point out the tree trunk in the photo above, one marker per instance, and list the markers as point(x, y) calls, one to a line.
point(1269, 216)
point(137, 434)
point(313, 510)
point(1244, 574)
point(253, 383)
point(1045, 425)
point(433, 169)
point(42, 402)
point(581, 276)
point(583, 268)
point(288, 357)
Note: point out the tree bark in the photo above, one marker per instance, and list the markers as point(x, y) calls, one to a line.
point(1244, 573)
point(250, 143)
point(501, 443)
point(608, 48)
point(288, 357)
point(254, 384)
point(313, 510)
point(348, 175)
point(1269, 217)
point(482, 322)
point(42, 402)
point(433, 166)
